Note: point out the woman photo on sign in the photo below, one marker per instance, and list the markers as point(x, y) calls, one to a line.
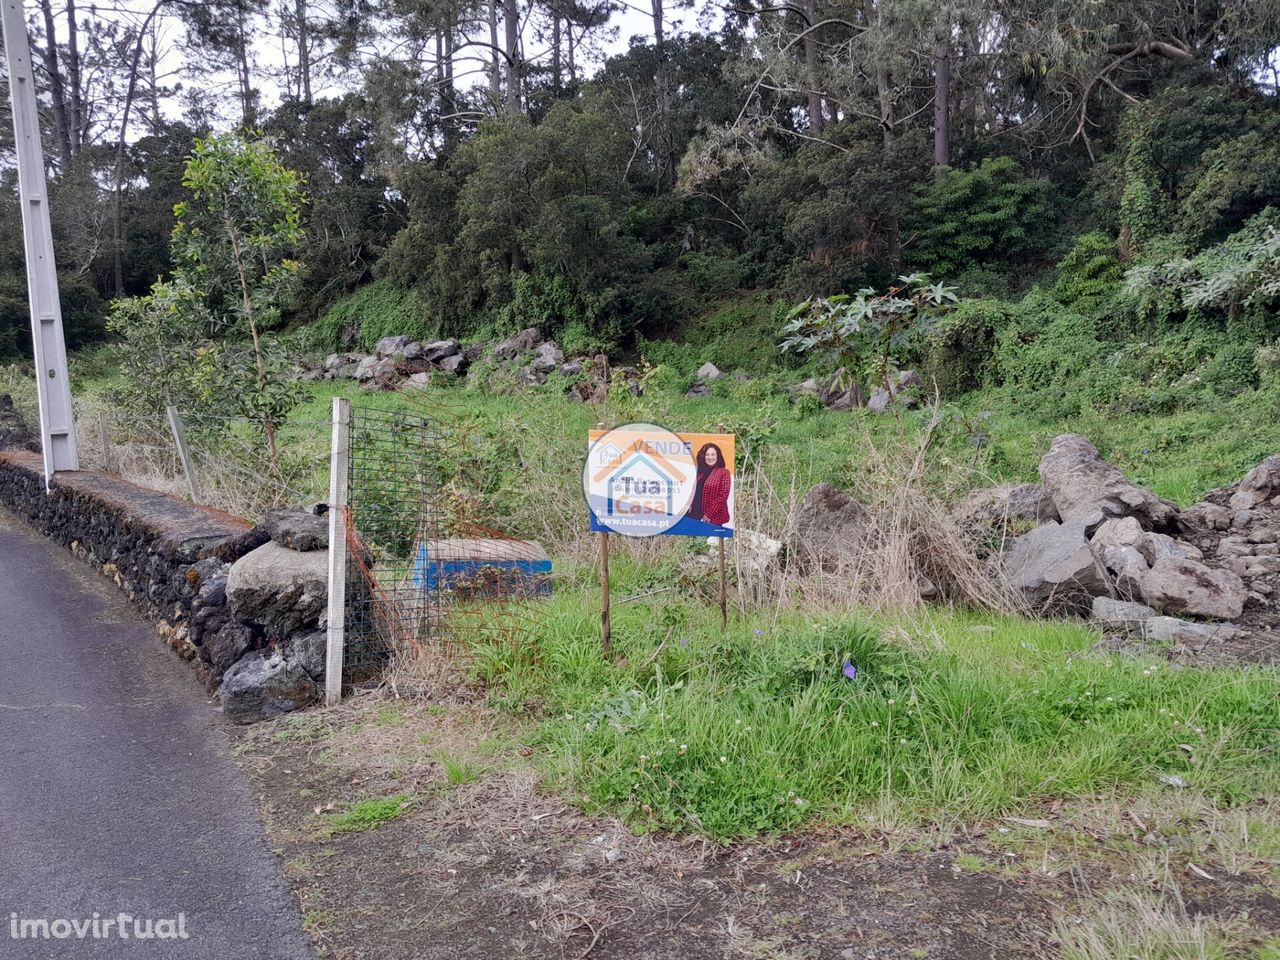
point(714, 484)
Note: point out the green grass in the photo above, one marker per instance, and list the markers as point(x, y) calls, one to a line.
point(1180, 456)
point(459, 771)
point(369, 814)
point(760, 731)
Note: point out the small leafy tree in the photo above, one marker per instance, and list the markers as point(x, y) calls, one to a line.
point(231, 278)
point(867, 334)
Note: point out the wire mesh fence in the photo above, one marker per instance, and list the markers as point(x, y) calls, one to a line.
point(422, 573)
point(228, 467)
point(393, 511)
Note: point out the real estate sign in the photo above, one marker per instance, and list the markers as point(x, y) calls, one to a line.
point(642, 480)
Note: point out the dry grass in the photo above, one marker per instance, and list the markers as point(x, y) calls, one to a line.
point(232, 471)
point(1140, 925)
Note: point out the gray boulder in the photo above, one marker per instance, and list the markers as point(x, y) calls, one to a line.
point(1053, 566)
point(372, 368)
point(1026, 502)
point(297, 528)
point(522, 342)
point(806, 388)
point(1203, 518)
point(437, 350)
point(828, 527)
point(1259, 485)
point(708, 371)
point(1109, 611)
point(1080, 482)
point(263, 685)
point(548, 357)
point(310, 650)
point(1192, 637)
point(1125, 564)
point(342, 366)
point(1176, 585)
point(455, 363)
point(389, 347)
point(1157, 545)
point(697, 391)
point(278, 588)
point(755, 554)
point(879, 400)
point(224, 647)
point(416, 381)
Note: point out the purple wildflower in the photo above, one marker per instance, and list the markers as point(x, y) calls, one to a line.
point(850, 670)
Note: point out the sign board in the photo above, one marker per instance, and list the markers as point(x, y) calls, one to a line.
point(642, 480)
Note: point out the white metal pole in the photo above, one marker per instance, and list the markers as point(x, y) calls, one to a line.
point(336, 640)
point(184, 455)
point(57, 422)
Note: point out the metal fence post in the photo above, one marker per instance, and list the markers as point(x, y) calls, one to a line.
point(104, 436)
point(180, 441)
point(338, 463)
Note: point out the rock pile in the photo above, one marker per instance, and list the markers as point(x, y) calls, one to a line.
point(255, 621)
point(401, 363)
point(1136, 563)
point(1088, 541)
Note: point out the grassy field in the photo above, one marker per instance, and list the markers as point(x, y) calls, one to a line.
point(762, 729)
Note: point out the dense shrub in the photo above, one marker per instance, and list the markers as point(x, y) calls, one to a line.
point(380, 309)
point(960, 355)
point(1089, 275)
point(738, 335)
point(967, 217)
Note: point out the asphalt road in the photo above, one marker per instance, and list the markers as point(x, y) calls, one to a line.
point(118, 793)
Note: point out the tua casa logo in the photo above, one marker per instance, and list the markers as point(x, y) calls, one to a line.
point(638, 479)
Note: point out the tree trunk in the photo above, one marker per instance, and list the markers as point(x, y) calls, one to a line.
point(57, 89)
point(941, 107)
point(666, 163)
point(304, 50)
point(816, 120)
point(76, 121)
point(495, 74)
point(130, 92)
point(892, 229)
point(248, 114)
point(555, 52)
point(448, 96)
point(153, 77)
point(511, 20)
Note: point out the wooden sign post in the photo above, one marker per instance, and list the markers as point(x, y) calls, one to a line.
point(724, 603)
point(606, 628)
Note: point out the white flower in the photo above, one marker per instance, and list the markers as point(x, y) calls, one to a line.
point(875, 723)
point(724, 759)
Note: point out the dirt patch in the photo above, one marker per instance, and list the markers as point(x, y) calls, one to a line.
point(483, 863)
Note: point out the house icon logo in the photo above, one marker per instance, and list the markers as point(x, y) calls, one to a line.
point(607, 455)
point(639, 480)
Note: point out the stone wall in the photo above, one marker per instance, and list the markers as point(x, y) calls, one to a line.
point(243, 603)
